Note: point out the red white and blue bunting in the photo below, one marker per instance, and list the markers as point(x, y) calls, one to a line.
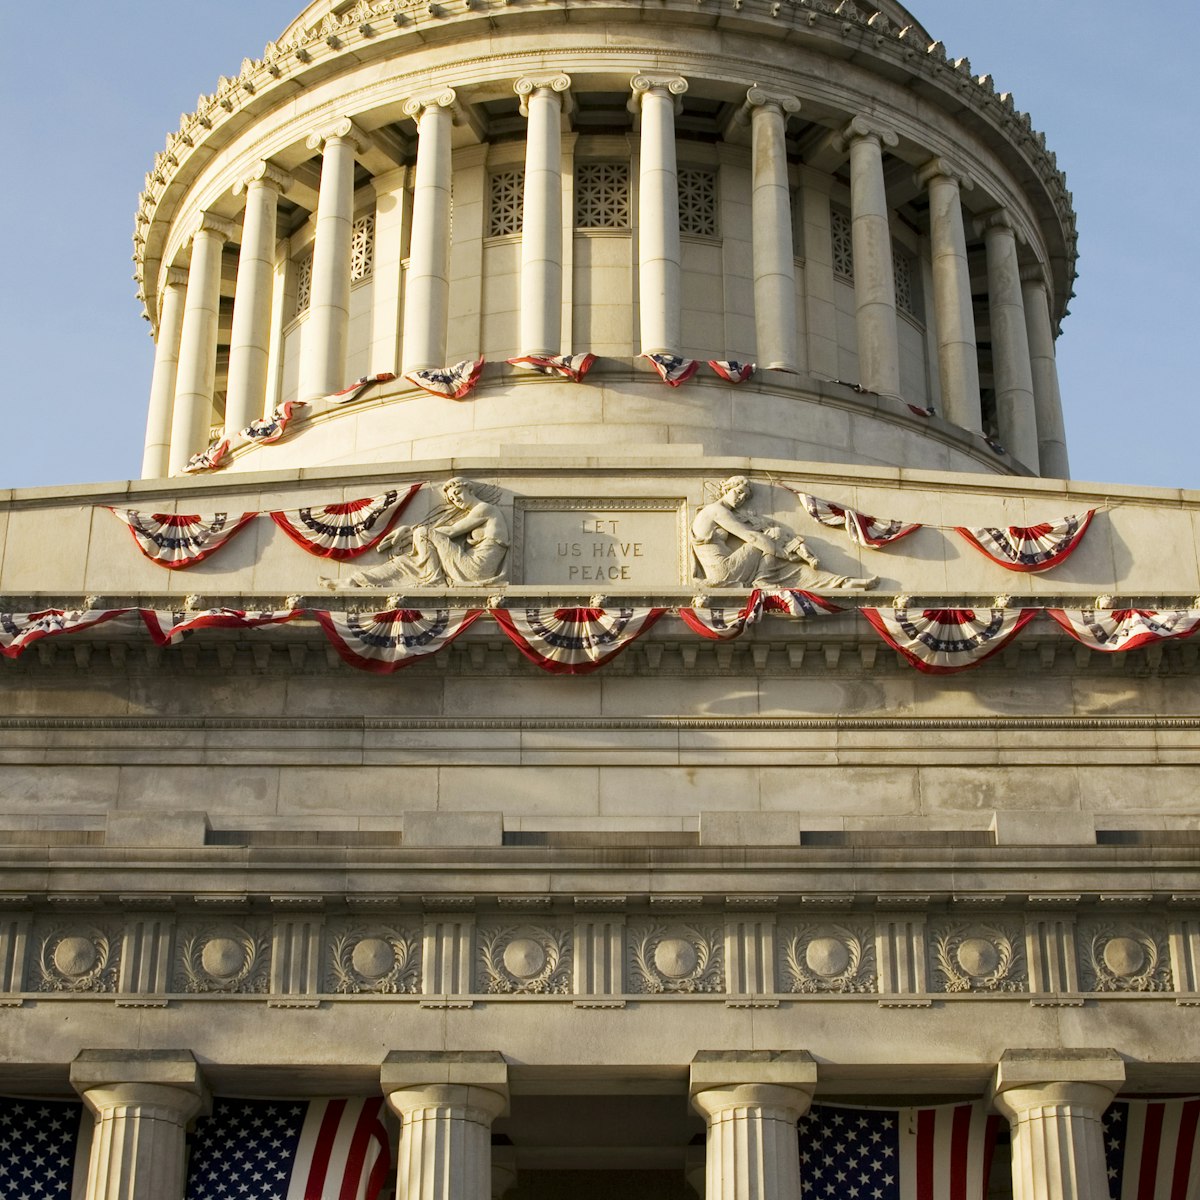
point(344, 531)
point(574, 641)
point(268, 430)
point(862, 529)
point(731, 370)
point(452, 383)
point(178, 540)
point(20, 630)
point(942, 641)
point(795, 603)
point(1032, 547)
point(723, 624)
point(384, 642)
point(672, 369)
point(567, 366)
point(1113, 630)
point(167, 628)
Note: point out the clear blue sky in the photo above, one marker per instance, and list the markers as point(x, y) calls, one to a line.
point(89, 95)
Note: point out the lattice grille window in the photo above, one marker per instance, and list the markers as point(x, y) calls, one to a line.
point(602, 196)
point(904, 281)
point(303, 283)
point(698, 202)
point(843, 245)
point(362, 248)
point(506, 208)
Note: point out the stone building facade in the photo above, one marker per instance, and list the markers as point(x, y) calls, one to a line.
point(655, 840)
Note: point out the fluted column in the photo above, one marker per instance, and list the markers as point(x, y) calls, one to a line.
point(1054, 1101)
point(874, 271)
point(655, 97)
point(446, 1103)
point(751, 1103)
point(141, 1102)
point(323, 343)
point(958, 355)
point(1047, 399)
point(1011, 365)
point(250, 341)
point(427, 289)
point(197, 370)
point(542, 101)
point(166, 367)
point(773, 250)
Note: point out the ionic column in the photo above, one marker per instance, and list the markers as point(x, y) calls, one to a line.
point(196, 375)
point(751, 1102)
point(323, 343)
point(142, 1101)
point(427, 289)
point(249, 344)
point(655, 97)
point(1054, 1101)
point(446, 1104)
point(541, 231)
point(166, 368)
point(1047, 399)
point(874, 272)
point(1011, 366)
point(773, 251)
point(958, 355)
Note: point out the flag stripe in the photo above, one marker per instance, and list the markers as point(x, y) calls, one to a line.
point(1185, 1148)
point(324, 1149)
point(365, 1131)
point(1151, 1140)
point(961, 1139)
point(926, 1128)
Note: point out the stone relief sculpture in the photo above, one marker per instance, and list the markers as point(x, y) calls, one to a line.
point(462, 543)
point(736, 547)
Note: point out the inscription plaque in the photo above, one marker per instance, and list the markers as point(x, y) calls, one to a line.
point(614, 543)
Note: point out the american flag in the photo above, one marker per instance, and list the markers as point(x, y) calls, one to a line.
point(1152, 1149)
point(941, 1153)
point(290, 1150)
point(38, 1140)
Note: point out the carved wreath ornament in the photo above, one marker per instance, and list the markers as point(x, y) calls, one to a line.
point(78, 961)
point(387, 961)
point(830, 958)
point(983, 958)
point(230, 959)
point(524, 960)
point(680, 959)
point(1125, 960)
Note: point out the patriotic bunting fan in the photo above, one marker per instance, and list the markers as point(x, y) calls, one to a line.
point(20, 630)
point(941, 641)
point(210, 459)
point(723, 624)
point(672, 369)
point(454, 383)
point(357, 388)
point(731, 370)
point(176, 540)
point(268, 430)
point(344, 531)
point(386, 641)
point(1124, 628)
point(1032, 547)
point(861, 529)
point(796, 603)
point(920, 412)
point(569, 366)
point(168, 628)
point(574, 641)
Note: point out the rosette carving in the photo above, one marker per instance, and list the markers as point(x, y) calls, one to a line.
point(829, 958)
point(227, 958)
point(382, 960)
point(677, 959)
point(524, 960)
point(78, 960)
point(979, 958)
point(1124, 959)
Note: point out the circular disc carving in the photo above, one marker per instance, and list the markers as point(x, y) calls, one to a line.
point(524, 958)
point(675, 957)
point(1124, 956)
point(977, 957)
point(222, 957)
point(826, 956)
point(373, 958)
point(75, 956)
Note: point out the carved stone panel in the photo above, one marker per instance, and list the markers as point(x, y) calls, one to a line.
point(598, 544)
point(677, 959)
point(978, 957)
point(1050, 946)
point(77, 956)
point(599, 955)
point(524, 959)
point(1123, 957)
point(223, 957)
point(827, 958)
point(900, 944)
point(384, 959)
point(14, 940)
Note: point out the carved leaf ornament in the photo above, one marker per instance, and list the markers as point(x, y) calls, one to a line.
point(228, 959)
point(384, 961)
point(525, 960)
point(978, 959)
point(1126, 960)
point(834, 958)
point(677, 960)
point(78, 961)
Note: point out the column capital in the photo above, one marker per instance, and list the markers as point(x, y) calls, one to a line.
point(1047, 1073)
point(168, 1079)
point(343, 130)
point(414, 106)
point(643, 84)
point(211, 223)
point(471, 1079)
point(758, 97)
point(942, 168)
point(999, 219)
point(173, 277)
point(721, 1079)
point(265, 173)
point(1035, 273)
point(862, 128)
point(559, 84)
